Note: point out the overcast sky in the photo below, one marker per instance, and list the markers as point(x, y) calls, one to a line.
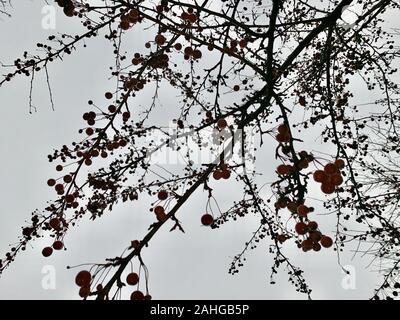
point(193, 265)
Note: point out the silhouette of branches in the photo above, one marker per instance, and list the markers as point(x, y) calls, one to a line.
point(279, 59)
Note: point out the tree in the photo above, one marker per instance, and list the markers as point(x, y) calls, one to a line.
point(291, 66)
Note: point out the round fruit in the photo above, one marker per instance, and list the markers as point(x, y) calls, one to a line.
point(283, 129)
point(147, 297)
point(197, 54)
point(54, 223)
point(58, 245)
point(328, 188)
point(312, 225)
point(284, 169)
point(301, 228)
point(47, 251)
point(159, 210)
point(281, 203)
point(316, 246)
point(161, 216)
point(319, 176)
point(282, 137)
point(303, 164)
point(67, 178)
point(307, 245)
point(315, 236)
point(221, 123)
point(330, 168)
point(84, 292)
point(217, 175)
point(112, 108)
point(243, 43)
point(69, 198)
point(108, 95)
point(132, 278)
point(339, 163)
point(160, 39)
point(207, 219)
point(83, 278)
point(302, 210)
point(292, 206)
point(51, 182)
point(337, 179)
point(326, 241)
point(137, 295)
point(162, 195)
point(303, 154)
point(281, 238)
point(225, 174)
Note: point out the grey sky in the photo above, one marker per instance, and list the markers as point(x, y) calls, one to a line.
point(182, 266)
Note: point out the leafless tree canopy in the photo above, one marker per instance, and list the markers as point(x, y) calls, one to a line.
point(290, 65)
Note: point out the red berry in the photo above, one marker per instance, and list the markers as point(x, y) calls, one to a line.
point(51, 182)
point(330, 168)
point(83, 278)
point(54, 223)
point(108, 95)
point(89, 131)
point(217, 175)
point(320, 176)
point(207, 219)
point(221, 123)
point(69, 198)
point(339, 163)
point(160, 39)
point(292, 206)
point(67, 179)
point(84, 292)
point(243, 43)
point(137, 295)
point(282, 137)
point(284, 169)
point(328, 188)
point(283, 129)
point(132, 278)
point(281, 238)
point(58, 245)
point(161, 216)
point(162, 195)
point(47, 251)
point(192, 18)
point(159, 210)
point(326, 241)
point(315, 236)
point(302, 210)
point(112, 108)
point(225, 174)
point(337, 179)
point(301, 228)
point(307, 245)
point(316, 246)
point(312, 225)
